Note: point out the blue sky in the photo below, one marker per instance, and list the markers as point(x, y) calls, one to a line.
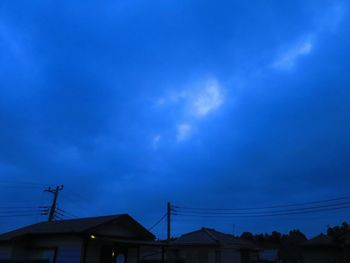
point(131, 104)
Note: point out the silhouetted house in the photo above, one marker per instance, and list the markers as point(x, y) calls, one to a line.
point(290, 250)
point(345, 241)
point(210, 246)
point(268, 255)
point(96, 239)
point(290, 254)
point(323, 249)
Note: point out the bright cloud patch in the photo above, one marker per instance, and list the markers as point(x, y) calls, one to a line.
point(208, 99)
point(193, 103)
point(288, 59)
point(155, 141)
point(183, 132)
point(198, 99)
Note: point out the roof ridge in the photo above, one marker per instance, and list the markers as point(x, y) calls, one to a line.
point(90, 217)
point(223, 233)
point(79, 226)
point(61, 222)
point(207, 230)
point(190, 233)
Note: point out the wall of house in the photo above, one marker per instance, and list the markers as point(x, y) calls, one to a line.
point(132, 255)
point(322, 256)
point(347, 253)
point(5, 251)
point(253, 256)
point(20, 250)
point(116, 230)
point(197, 255)
point(230, 256)
point(68, 248)
point(268, 255)
point(93, 250)
point(210, 255)
point(95, 247)
point(155, 253)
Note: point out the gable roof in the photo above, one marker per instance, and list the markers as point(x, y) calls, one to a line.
point(76, 226)
point(209, 236)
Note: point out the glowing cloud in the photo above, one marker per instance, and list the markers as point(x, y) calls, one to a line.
point(208, 99)
point(288, 59)
point(183, 131)
point(198, 99)
point(194, 102)
point(155, 141)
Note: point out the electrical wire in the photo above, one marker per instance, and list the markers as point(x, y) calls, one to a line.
point(22, 212)
point(19, 211)
point(310, 208)
point(322, 206)
point(264, 207)
point(260, 215)
point(66, 213)
point(20, 215)
point(58, 217)
point(18, 207)
point(158, 222)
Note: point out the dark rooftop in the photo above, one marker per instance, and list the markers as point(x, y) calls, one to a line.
point(321, 241)
point(77, 226)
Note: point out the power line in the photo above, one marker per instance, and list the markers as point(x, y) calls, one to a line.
point(58, 217)
point(82, 204)
point(66, 213)
point(310, 208)
point(264, 207)
point(158, 222)
point(260, 215)
point(14, 210)
point(18, 207)
point(20, 215)
point(53, 211)
point(21, 211)
point(322, 206)
point(54, 200)
point(58, 213)
point(8, 186)
point(22, 183)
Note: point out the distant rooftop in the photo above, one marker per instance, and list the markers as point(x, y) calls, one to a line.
point(321, 240)
point(210, 236)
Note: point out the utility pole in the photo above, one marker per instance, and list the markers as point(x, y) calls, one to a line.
point(168, 220)
point(54, 201)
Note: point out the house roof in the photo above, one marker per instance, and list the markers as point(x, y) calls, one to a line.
point(76, 226)
point(209, 236)
point(320, 241)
